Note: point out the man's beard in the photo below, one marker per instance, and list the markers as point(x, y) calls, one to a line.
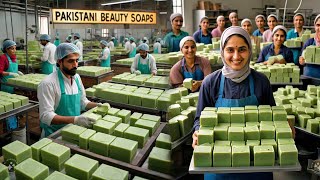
point(70, 72)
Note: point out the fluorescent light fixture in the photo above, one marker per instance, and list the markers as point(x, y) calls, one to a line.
point(163, 12)
point(119, 2)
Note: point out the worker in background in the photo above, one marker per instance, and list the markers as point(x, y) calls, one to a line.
point(297, 31)
point(144, 63)
point(220, 28)
point(133, 48)
point(173, 38)
point(79, 44)
point(105, 54)
point(203, 35)
point(311, 70)
point(279, 34)
point(235, 85)
point(56, 41)
point(115, 42)
point(145, 40)
point(126, 44)
point(157, 46)
point(61, 95)
point(111, 43)
point(69, 39)
point(272, 22)
point(246, 24)
point(47, 60)
point(233, 17)
point(190, 66)
point(260, 21)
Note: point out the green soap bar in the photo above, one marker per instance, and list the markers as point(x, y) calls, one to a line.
point(288, 108)
point(84, 138)
point(124, 115)
point(113, 111)
point(237, 125)
point(137, 134)
point(281, 124)
point(93, 115)
point(267, 123)
point(114, 119)
point(160, 160)
point(291, 119)
point(237, 108)
point(235, 134)
point(288, 154)
point(221, 133)
point(163, 103)
point(222, 143)
point(240, 156)
point(80, 167)
point(270, 142)
point(17, 151)
point(265, 115)
point(303, 119)
point(184, 103)
point(123, 149)
point(185, 124)
point(119, 130)
point(202, 156)
point(238, 143)
point(285, 141)
point(248, 124)
point(58, 175)
point(174, 110)
point(263, 155)
point(283, 133)
point(4, 173)
point(223, 116)
point(251, 144)
point(174, 129)
point(252, 133)
point(237, 117)
point(24, 100)
point(310, 112)
point(268, 107)
point(55, 153)
point(208, 120)
point(8, 106)
point(31, 170)
point(250, 107)
point(134, 117)
point(104, 126)
point(100, 143)
point(205, 136)
point(72, 131)
point(313, 125)
point(214, 109)
point(151, 118)
point(251, 116)
point(151, 126)
point(187, 83)
point(279, 115)
point(135, 99)
point(267, 132)
point(109, 172)
point(138, 178)
point(164, 141)
point(149, 101)
point(221, 156)
point(36, 147)
point(102, 110)
point(223, 125)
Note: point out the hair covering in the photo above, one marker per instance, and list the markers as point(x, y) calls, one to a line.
point(174, 15)
point(64, 49)
point(246, 20)
point(126, 39)
point(316, 19)
point(220, 17)
point(232, 14)
point(131, 38)
point(143, 47)
point(113, 38)
point(185, 39)
point(158, 40)
point(275, 29)
point(260, 16)
point(228, 72)
point(45, 37)
point(205, 17)
point(77, 35)
point(272, 15)
point(145, 38)
point(104, 42)
point(6, 44)
point(299, 14)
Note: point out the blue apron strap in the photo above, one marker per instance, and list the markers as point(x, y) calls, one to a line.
point(61, 82)
point(221, 88)
point(78, 84)
point(251, 83)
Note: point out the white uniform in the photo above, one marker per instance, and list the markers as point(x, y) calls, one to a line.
point(111, 45)
point(106, 53)
point(152, 63)
point(48, 53)
point(80, 46)
point(127, 46)
point(49, 95)
point(157, 45)
point(132, 46)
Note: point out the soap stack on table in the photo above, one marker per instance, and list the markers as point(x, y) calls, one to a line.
point(244, 136)
point(10, 102)
point(142, 79)
point(30, 81)
point(92, 70)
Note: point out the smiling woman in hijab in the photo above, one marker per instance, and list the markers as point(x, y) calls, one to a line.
point(203, 35)
point(236, 85)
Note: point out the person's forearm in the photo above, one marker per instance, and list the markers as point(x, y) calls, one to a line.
point(282, 61)
point(91, 105)
point(57, 119)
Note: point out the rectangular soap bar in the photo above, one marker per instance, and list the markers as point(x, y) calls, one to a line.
point(4, 173)
point(279, 115)
point(267, 132)
point(164, 141)
point(252, 133)
point(119, 130)
point(151, 126)
point(84, 138)
point(202, 156)
point(235, 134)
point(99, 143)
point(104, 126)
point(160, 160)
point(36, 147)
point(187, 83)
point(313, 125)
point(72, 131)
point(31, 169)
point(81, 167)
point(58, 175)
point(123, 149)
point(237, 117)
point(56, 154)
point(240, 156)
point(288, 155)
point(265, 115)
point(113, 111)
point(137, 134)
point(224, 116)
point(134, 117)
point(209, 120)
point(283, 133)
point(174, 129)
point(264, 155)
point(221, 133)
point(271, 142)
point(221, 156)
point(124, 115)
point(17, 151)
point(109, 172)
point(251, 116)
point(205, 136)
point(114, 119)
point(303, 119)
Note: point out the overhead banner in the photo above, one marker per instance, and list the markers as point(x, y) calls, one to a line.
point(74, 16)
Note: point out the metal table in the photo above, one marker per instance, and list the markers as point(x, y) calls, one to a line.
point(89, 81)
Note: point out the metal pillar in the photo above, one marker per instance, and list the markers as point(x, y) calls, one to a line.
point(26, 13)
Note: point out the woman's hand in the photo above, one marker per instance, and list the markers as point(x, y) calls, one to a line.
point(265, 62)
point(195, 139)
point(195, 85)
point(301, 60)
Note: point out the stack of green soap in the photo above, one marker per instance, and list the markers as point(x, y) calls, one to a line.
point(58, 175)
point(109, 172)
point(36, 147)
point(99, 143)
point(164, 141)
point(174, 129)
point(119, 130)
point(235, 134)
point(16, 151)
point(221, 133)
point(55, 155)
point(123, 149)
point(151, 126)
point(221, 156)
point(160, 160)
point(84, 138)
point(4, 173)
point(137, 134)
point(80, 167)
point(205, 136)
point(71, 133)
point(104, 126)
point(134, 117)
point(124, 115)
point(114, 119)
point(252, 133)
point(31, 169)
point(263, 155)
point(240, 156)
point(288, 154)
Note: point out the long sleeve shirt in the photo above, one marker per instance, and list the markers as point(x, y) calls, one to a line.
point(269, 51)
point(48, 53)
point(49, 95)
point(152, 63)
point(105, 53)
point(111, 45)
point(197, 36)
point(216, 32)
point(4, 63)
point(267, 36)
point(80, 46)
point(157, 45)
point(127, 46)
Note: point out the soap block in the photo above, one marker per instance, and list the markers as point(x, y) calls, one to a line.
point(209, 120)
point(222, 143)
point(221, 156)
point(279, 116)
point(31, 170)
point(58, 175)
point(174, 110)
point(248, 124)
point(252, 133)
point(114, 119)
point(240, 156)
point(151, 118)
point(119, 130)
point(135, 99)
point(134, 117)
point(113, 111)
point(104, 127)
point(160, 160)
point(55, 154)
point(109, 172)
point(264, 106)
point(249, 107)
point(124, 115)
point(187, 83)
point(221, 133)
point(102, 110)
point(303, 119)
point(237, 117)
point(235, 134)
point(288, 155)
point(123, 149)
point(137, 134)
point(151, 126)
point(237, 108)
point(17, 151)
point(100, 143)
point(251, 116)
point(72, 131)
point(267, 132)
point(202, 156)
point(310, 112)
point(238, 143)
point(251, 144)
point(93, 115)
point(281, 124)
point(149, 101)
point(81, 167)
point(223, 116)
point(313, 125)
point(84, 138)
point(164, 141)
point(237, 125)
point(4, 173)
point(174, 129)
point(264, 155)
point(36, 147)
point(265, 115)
point(185, 124)
point(205, 136)
point(285, 141)
point(271, 142)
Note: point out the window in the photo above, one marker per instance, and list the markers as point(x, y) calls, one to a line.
point(105, 32)
point(178, 7)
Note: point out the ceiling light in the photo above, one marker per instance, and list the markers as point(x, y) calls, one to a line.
point(119, 2)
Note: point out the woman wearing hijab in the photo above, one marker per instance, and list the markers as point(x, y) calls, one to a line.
point(279, 34)
point(173, 38)
point(260, 21)
point(219, 30)
point(246, 24)
point(312, 70)
point(272, 22)
point(233, 17)
point(190, 66)
point(105, 54)
point(203, 35)
point(235, 85)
